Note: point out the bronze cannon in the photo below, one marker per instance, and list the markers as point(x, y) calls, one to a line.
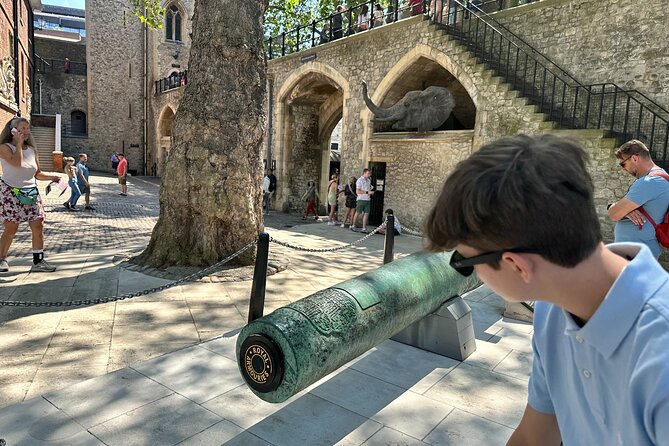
point(286, 351)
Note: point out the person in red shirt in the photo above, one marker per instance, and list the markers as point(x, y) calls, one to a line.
point(416, 7)
point(122, 172)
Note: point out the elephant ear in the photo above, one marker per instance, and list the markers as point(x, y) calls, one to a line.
point(439, 104)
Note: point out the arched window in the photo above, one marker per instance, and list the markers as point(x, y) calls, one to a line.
point(78, 123)
point(173, 22)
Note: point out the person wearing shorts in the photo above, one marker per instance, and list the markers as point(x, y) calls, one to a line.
point(122, 172)
point(363, 189)
point(19, 197)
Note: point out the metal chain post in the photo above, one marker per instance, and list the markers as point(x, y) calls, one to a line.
point(257, 302)
point(389, 242)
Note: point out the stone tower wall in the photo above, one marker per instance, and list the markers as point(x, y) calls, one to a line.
point(115, 56)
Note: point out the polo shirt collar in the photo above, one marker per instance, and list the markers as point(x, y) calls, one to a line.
point(614, 318)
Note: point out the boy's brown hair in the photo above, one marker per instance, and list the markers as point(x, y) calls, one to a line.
point(519, 192)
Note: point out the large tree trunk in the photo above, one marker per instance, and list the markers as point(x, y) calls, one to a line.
point(210, 194)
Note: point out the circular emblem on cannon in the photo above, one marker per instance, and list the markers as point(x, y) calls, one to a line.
point(261, 363)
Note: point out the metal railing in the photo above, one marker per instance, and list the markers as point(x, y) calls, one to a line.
point(171, 82)
point(339, 24)
point(60, 66)
point(347, 22)
point(620, 113)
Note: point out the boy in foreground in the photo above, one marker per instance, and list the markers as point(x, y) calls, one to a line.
point(520, 213)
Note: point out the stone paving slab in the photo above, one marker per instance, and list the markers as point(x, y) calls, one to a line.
point(163, 366)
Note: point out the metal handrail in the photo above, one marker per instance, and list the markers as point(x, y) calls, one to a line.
point(569, 103)
point(171, 82)
point(324, 30)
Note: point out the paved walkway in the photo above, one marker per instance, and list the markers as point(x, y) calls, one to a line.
point(161, 369)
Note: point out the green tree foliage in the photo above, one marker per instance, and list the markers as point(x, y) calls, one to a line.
point(286, 15)
point(149, 12)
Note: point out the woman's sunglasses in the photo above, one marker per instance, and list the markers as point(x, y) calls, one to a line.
point(465, 265)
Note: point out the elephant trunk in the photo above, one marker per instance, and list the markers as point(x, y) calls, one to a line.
point(379, 113)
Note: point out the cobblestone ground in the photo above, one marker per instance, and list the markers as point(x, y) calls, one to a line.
point(115, 220)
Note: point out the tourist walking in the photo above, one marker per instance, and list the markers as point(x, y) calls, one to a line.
point(114, 161)
point(312, 198)
point(363, 18)
point(82, 180)
point(75, 193)
point(378, 15)
point(333, 192)
point(351, 198)
point(19, 197)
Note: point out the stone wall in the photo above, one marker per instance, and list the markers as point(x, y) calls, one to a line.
point(305, 156)
point(498, 111)
point(601, 41)
point(56, 49)
point(61, 93)
point(115, 57)
point(416, 158)
point(416, 169)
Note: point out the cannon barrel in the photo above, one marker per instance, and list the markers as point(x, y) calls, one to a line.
point(286, 351)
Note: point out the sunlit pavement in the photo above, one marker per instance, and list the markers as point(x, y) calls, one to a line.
point(161, 369)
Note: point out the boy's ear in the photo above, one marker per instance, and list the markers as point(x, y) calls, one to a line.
point(522, 263)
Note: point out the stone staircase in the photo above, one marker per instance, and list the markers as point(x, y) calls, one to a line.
point(45, 141)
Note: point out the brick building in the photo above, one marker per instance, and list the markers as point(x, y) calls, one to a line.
point(16, 57)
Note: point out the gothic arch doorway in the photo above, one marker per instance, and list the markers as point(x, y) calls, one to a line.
point(164, 139)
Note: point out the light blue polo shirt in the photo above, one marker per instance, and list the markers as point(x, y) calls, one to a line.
point(84, 171)
point(608, 382)
point(651, 192)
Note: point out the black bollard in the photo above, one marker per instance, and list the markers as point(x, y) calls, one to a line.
point(389, 244)
point(257, 303)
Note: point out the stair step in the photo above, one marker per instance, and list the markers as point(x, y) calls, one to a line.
point(587, 133)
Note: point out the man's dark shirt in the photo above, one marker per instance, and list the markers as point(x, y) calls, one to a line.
point(272, 183)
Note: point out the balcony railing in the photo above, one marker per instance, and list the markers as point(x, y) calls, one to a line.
point(60, 66)
point(171, 82)
point(364, 17)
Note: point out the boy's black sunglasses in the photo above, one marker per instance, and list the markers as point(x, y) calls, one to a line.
point(465, 265)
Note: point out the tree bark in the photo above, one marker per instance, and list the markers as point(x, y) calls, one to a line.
point(211, 190)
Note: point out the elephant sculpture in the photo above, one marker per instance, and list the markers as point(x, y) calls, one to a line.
point(421, 110)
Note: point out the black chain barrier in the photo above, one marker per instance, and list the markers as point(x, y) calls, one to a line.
point(103, 300)
point(338, 248)
point(197, 275)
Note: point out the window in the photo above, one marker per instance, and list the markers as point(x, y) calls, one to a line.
point(78, 122)
point(173, 24)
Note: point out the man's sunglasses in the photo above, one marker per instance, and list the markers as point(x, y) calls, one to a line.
point(622, 163)
point(465, 265)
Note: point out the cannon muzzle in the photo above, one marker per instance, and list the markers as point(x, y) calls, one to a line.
point(286, 351)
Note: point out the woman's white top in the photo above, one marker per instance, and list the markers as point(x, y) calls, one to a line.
point(23, 176)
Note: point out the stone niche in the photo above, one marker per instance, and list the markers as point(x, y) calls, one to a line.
point(425, 73)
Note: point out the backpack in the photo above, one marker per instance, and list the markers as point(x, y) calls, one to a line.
point(662, 229)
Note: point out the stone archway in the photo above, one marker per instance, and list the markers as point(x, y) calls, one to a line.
point(164, 139)
point(309, 104)
point(421, 52)
point(409, 155)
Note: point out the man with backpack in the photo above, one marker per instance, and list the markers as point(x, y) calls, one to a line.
point(647, 200)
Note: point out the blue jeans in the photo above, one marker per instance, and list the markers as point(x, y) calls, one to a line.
point(75, 192)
